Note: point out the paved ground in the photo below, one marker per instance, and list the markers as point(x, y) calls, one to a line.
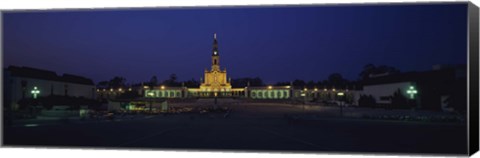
point(249, 127)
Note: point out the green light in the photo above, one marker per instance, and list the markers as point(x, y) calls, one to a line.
point(412, 91)
point(150, 94)
point(35, 92)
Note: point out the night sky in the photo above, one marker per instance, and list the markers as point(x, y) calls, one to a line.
point(273, 43)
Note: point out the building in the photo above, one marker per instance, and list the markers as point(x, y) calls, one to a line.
point(24, 82)
point(433, 89)
point(215, 80)
point(216, 84)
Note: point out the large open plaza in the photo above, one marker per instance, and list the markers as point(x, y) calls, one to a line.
point(248, 126)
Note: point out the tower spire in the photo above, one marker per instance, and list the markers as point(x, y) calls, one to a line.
point(215, 55)
point(215, 45)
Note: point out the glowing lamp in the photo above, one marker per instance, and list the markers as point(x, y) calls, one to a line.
point(412, 91)
point(35, 92)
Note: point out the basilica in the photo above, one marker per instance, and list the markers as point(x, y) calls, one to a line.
point(215, 79)
point(215, 83)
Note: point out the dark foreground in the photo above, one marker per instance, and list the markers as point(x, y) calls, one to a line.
point(249, 127)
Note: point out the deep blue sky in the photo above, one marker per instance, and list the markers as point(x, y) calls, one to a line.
point(274, 43)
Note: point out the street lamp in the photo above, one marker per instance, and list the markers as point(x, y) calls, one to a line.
point(412, 92)
point(35, 92)
point(341, 96)
point(151, 100)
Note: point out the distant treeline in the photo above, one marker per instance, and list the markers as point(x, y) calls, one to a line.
point(334, 80)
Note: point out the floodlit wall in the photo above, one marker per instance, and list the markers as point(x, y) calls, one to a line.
point(270, 94)
point(46, 88)
point(164, 93)
point(382, 91)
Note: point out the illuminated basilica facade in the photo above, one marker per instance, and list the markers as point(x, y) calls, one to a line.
point(215, 83)
point(215, 79)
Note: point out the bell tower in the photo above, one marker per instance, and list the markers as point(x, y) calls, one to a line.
point(215, 55)
point(215, 79)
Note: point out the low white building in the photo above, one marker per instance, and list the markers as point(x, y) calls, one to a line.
point(433, 89)
point(25, 82)
point(383, 92)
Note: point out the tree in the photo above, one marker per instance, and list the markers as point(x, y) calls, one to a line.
point(24, 83)
point(367, 70)
point(192, 83)
point(371, 69)
point(299, 83)
point(311, 84)
point(256, 82)
point(103, 84)
point(282, 84)
point(336, 80)
point(153, 81)
point(173, 77)
point(243, 82)
point(117, 82)
point(399, 100)
point(172, 81)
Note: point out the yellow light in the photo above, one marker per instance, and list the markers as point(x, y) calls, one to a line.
point(305, 89)
point(163, 87)
point(315, 89)
point(288, 86)
point(269, 87)
point(129, 89)
point(333, 90)
point(325, 89)
point(111, 89)
point(146, 87)
point(340, 94)
point(120, 89)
